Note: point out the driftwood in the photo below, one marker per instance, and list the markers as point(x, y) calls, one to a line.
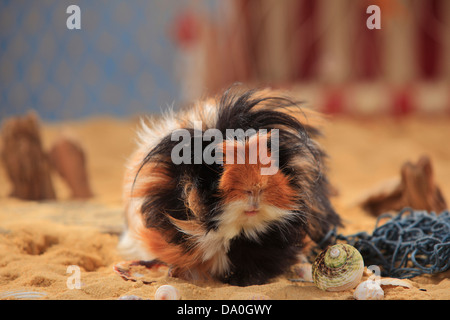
point(29, 167)
point(69, 160)
point(25, 162)
point(416, 188)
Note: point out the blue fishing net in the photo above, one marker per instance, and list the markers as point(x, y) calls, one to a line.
point(408, 244)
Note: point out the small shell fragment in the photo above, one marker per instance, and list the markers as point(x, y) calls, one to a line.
point(130, 297)
point(395, 282)
point(140, 270)
point(258, 296)
point(22, 295)
point(167, 292)
point(368, 290)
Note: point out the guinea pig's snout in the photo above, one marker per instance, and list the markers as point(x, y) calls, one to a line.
point(254, 198)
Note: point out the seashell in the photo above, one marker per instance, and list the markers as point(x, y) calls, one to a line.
point(140, 270)
point(340, 267)
point(368, 290)
point(167, 292)
point(130, 297)
point(395, 282)
point(258, 296)
point(22, 295)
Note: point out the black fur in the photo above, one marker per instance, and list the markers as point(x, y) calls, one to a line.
point(256, 262)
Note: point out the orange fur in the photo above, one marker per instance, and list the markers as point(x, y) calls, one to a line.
point(188, 264)
point(192, 199)
point(240, 179)
point(152, 178)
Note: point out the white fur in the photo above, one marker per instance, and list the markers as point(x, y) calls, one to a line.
point(131, 248)
point(233, 222)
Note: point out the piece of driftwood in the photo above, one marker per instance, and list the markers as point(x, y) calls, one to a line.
point(26, 163)
point(68, 159)
point(416, 188)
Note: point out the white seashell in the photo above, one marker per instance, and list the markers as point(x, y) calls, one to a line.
point(167, 292)
point(129, 297)
point(22, 294)
point(368, 290)
point(258, 296)
point(395, 282)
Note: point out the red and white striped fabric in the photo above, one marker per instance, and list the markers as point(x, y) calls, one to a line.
point(402, 68)
point(325, 51)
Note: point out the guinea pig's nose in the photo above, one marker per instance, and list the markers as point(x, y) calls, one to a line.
point(254, 199)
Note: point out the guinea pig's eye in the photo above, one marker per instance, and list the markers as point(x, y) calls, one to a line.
point(248, 192)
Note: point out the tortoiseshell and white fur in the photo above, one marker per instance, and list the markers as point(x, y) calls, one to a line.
point(227, 221)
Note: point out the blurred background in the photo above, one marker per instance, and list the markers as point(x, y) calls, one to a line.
point(139, 56)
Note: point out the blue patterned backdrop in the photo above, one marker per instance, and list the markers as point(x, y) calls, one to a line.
point(120, 63)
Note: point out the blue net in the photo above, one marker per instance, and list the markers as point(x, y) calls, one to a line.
point(409, 244)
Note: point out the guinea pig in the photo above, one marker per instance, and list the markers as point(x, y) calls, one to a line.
point(233, 189)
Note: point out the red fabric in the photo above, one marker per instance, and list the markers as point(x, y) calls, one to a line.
point(185, 29)
point(402, 103)
point(429, 38)
point(308, 38)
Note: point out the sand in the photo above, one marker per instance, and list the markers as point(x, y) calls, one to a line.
point(40, 240)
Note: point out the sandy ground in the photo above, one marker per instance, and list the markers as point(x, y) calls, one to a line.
point(38, 241)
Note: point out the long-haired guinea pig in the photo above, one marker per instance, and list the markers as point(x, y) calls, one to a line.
point(232, 189)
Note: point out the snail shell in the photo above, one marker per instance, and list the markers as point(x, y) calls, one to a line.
point(167, 292)
point(338, 268)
